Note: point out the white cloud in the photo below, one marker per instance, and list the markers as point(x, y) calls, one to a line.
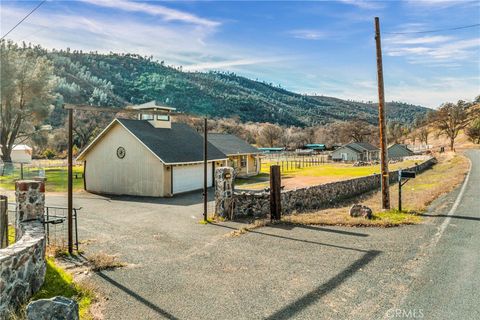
point(229, 64)
point(434, 50)
point(439, 4)
point(419, 40)
point(157, 10)
point(308, 34)
point(365, 4)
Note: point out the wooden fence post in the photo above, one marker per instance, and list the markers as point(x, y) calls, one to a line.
point(275, 193)
point(3, 221)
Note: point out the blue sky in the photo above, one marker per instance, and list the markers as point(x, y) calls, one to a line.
point(323, 47)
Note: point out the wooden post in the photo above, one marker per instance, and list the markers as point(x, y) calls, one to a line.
point(70, 182)
point(3, 221)
point(21, 170)
point(205, 171)
point(275, 193)
point(382, 120)
point(400, 190)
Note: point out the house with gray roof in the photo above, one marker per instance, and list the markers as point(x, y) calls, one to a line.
point(242, 156)
point(399, 151)
point(356, 151)
point(150, 156)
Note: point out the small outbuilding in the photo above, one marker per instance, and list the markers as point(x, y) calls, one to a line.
point(242, 156)
point(21, 153)
point(356, 151)
point(150, 156)
point(399, 151)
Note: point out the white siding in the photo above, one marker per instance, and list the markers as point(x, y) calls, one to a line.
point(140, 172)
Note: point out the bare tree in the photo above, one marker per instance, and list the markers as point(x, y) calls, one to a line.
point(88, 125)
point(270, 135)
point(423, 135)
point(356, 131)
point(450, 119)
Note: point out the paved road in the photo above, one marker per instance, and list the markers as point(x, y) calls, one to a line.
point(448, 286)
point(184, 270)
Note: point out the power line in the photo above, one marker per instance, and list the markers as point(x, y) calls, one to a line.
point(437, 30)
point(13, 28)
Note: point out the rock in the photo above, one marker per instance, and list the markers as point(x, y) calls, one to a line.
point(358, 210)
point(56, 308)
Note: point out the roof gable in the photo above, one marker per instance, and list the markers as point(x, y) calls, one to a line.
point(231, 144)
point(180, 144)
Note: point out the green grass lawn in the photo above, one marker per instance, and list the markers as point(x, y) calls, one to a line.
point(325, 172)
point(60, 283)
point(336, 169)
point(56, 179)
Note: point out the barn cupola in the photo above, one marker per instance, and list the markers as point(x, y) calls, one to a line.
point(156, 120)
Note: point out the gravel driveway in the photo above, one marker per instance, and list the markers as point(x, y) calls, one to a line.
point(184, 270)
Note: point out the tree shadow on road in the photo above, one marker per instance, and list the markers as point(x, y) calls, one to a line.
point(289, 226)
point(290, 310)
point(290, 238)
point(137, 297)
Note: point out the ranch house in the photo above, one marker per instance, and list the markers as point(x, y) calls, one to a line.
point(356, 151)
point(150, 156)
point(243, 157)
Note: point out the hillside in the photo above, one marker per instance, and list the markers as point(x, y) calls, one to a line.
point(116, 80)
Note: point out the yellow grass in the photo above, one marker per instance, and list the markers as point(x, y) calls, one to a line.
point(417, 194)
point(321, 173)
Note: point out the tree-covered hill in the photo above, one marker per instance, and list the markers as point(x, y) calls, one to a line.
point(120, 79)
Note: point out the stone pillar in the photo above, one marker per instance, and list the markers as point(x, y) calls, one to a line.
point(30, 197)
point(224, 192)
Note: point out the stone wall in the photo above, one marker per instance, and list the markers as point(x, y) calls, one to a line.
point(22, 265)
point(257, 204)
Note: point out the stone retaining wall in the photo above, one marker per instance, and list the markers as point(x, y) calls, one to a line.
point(257, 204)
point(22, 265)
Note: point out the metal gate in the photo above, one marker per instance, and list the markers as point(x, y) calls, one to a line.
point(55, 221)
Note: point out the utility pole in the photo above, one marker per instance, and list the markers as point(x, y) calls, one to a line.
point(205, 170)
point(70, 182)
point(382, 120)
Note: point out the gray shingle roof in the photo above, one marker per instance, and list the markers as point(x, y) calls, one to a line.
point(179, 144)
point(362, 145)
point(231, 144)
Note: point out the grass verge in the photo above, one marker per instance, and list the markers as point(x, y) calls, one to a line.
point(58, 282)
point(11, 234)
point(417, 194)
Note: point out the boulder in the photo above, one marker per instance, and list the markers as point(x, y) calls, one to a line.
point(358, 210)
point(56, 308)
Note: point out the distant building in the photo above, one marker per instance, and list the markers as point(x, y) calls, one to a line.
point(150, 156)
point(21, 153)
point(271, 150)
point(356, 151)
point(398, 151)
point(317, 147)
point(241, 155)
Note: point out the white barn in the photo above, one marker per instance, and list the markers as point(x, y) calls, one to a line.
point(150, 156)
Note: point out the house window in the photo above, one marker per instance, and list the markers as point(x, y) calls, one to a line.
point(163, 117)
point(147, 117)
point(243, 161)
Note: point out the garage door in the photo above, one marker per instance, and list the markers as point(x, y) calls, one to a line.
point(190, 177)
